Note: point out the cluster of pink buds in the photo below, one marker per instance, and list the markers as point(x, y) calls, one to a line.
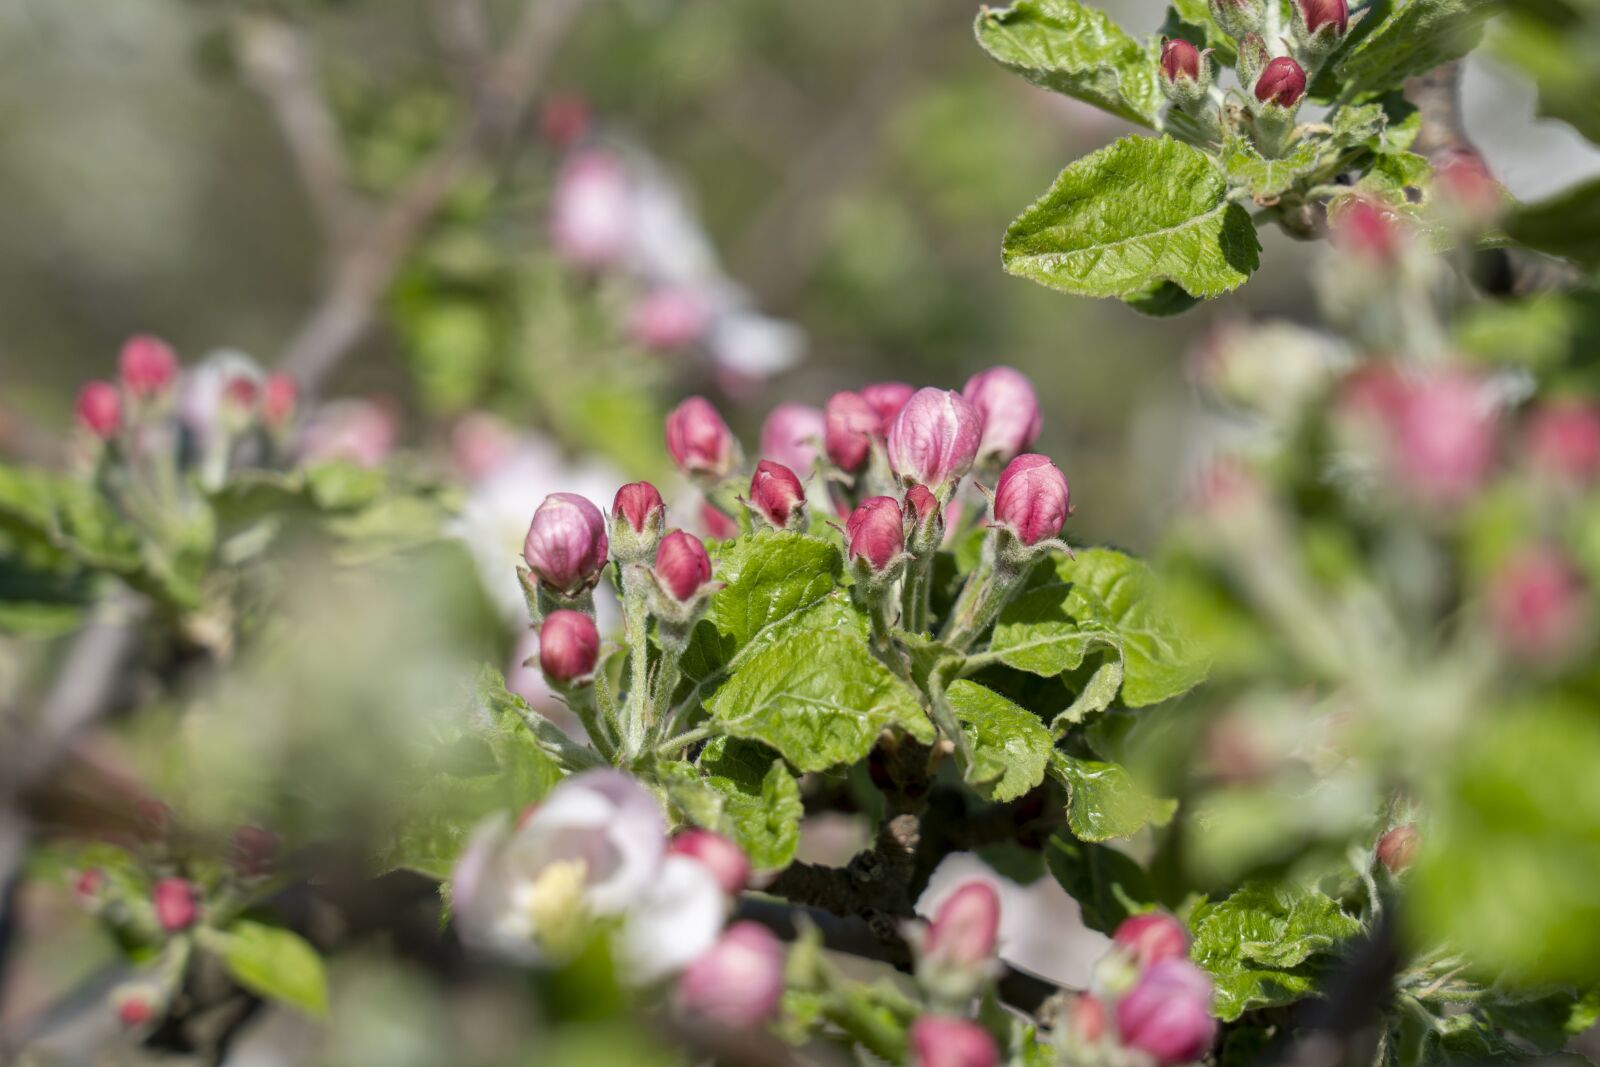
point(956, 952)
point(1147, 996)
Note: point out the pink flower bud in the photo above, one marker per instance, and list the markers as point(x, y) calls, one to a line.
point(682, 565)
point(934, 439)
point(1563, 440)
point(566, 544)
point(177, 904)
point(590, 210)
point(721, 856)
point(1168, 1012)
point(700, 442)
point(791, 436)
point(1397, 848)
point(1538, 605)
point(1087, 1018)
point(964, 929)
point(147, 365)
point(777, 494)
point(99, 409)
point(718, 525)
point(569, 646)
point(1463, 182)
point(1006, 403)
point(639, 504)
point(1151, 937)
point(1283, 82)
point(921, 506)
point(669, 318)
point(1179, 59)
point(1445, 437)
point(88, 884)
point(852, 423)
point(240, 393)
point(1367, 230)
point(875, 532)
point(279, 398)
point(739, 982)
point(563, 118)
point(887, 398)
point(944, 1041)
point(134, 1010)
point(1032, 499)
point(254, 850)
point(1320, 13)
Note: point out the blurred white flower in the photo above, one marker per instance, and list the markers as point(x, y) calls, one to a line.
point(591, 209)
point(202, 391)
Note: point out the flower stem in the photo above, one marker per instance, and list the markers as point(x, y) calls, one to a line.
point(636, 715)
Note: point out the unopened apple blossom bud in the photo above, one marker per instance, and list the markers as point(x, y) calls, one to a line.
point(1563, 441)
point(1445, 437)
point(1151, 937)
point(569, 646)
point(965, 928)
point(851, 425)
point(1539, 606)
point(700, 442)
point(1087, 1018)
point(135, 1007)
point(792, 435)
point(1281, 82)
point(1179, 59)
point(566, 544)
point(1005, 401)
point(1320, 13)
point(1032, 500)
point(721, 856)
point(1397, 848)
point(1168, 1012)
point(887, 398)
point(739, 981)
point(638, 516)
point(147, 365)
point(875, 533)
point(86, 887)
point(1366, 230)
point(1320, 27)
point(99, 409)
point(239, 395)
point(682, 566)
point(590, 210)
point(922, 507)
point(1464, 187)
point(945, 1041)
point(279, 397)
point(1239, 18)
point(718, 524)
point(934, 439)
point(777, 495)
point(669, 318)
point(176, 902)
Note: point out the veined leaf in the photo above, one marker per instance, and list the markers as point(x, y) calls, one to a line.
point(1104, 801)
point(1268, 179)
point(761, 800)
point(1414, 37)
point(1010, 746)
point(276, 963)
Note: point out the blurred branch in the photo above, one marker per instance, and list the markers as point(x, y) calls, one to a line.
point(365, 270)
point(463, 31)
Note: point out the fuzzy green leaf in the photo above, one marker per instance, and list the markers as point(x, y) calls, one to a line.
point(1412, 38)
point(275, 963)
point(761, 800)
point(1010, 746)
point(1267, 179)
point(1104, 801)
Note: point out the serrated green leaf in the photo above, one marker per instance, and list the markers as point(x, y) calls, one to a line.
point(761, 800)
point(527, 744)
point(1104, 802)
point(1096, 695)
point(1260, 943)
point(1010, 746)
point(1267, 179)
point(1048, 628)
point(1355, 124)
point(1566, 225)
point(819, 696)
point(273, 962)
point(1412, 38)
point(1135, 214)
point(1107, 884)
point(1074, 49)
point(1393, 175)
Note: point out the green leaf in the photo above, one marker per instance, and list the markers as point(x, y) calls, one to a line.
point(1402, 178)
point(1567, 225)
point(818, 696)
point(1135, 214)
point(1416, 37)
point(1552, 42)
point(1096, 695)
point(1267, 179)
point(1107, 884)
point(1010, 746)
point(762, 806)
point(1103, 800)
point(1047, 629)
point(517, 725)
point(275, 963)
point(1260, 943)
point(1161, 300)
point(1077, 50)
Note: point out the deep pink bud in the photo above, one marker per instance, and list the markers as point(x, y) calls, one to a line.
point(964, 929)
point(1463, 182)
point(1398, 847)
point(1168, 1012)
point(719, 855)
point(852, 423)
point(177, 904)
point(669, 318)
point(147, 365)
point(566, 544)
point(1150, 937)
point(88, 884)
point(254, 849)
point(777, 494)
point(569, 646)
point(700, 442)
point(1367, 229)
point(1087, 1017)
point(1283, 82)
point(791, 435)
point(240, 393)
point(887, 398)
point(934, 439)
point(1179, 59)
point(1538, 605)
point(1006, 403)
point(739, 981)
point(944, 1041)
point(1445, 437)
point(875, 532)
point(99, 409)
point(1032, 499)
point(590, 209)
point(1563, 440)
point(1320, 13)
point(134, 1010)
point(279, 398)
point(719, 525)
point(639, 503)
point(682, 565)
